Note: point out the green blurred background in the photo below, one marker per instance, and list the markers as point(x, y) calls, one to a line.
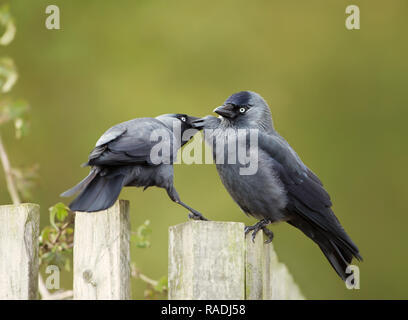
point(339, 97)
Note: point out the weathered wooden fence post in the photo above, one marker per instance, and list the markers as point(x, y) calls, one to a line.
point(213, 260)
point(102, 254)
point(266, 277)
point(206, 261)
point(254, 267)
point(19, 231)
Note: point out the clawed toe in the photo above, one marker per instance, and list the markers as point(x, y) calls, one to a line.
point(248, 229)
point(254, 230)
point(261, 225)
point(269, 235)
point(254, 235)
point(196, 216)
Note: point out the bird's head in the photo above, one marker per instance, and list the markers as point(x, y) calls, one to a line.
point(246, 109)
point(184, 120)
point(174, 121)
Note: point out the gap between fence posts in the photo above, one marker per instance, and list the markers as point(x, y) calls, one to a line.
point(19, 231)
point(102, 254)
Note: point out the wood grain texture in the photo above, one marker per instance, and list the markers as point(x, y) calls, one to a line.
point(206, 261)
point(214, 260)
point(102, 254)
point(19, 231)
point(278, 282)
point(254, 267)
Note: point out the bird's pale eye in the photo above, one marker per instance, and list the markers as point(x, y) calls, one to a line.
point(242, 110)
point(183, 119)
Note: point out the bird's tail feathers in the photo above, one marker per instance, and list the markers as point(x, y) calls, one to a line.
point(337, 260)
point(81, 185)
point(100, 194)
point(337, 249)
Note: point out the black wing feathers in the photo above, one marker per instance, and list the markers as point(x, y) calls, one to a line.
point(307, 198)
point(309, 204)
point(128, 143)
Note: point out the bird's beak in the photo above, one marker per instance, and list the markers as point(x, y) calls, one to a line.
point(191, 120)
point(225, 111)
point(197, 123)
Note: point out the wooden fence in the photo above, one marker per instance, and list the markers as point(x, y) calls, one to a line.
point(207, 259)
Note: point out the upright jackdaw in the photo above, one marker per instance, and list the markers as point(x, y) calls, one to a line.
point(138, 153)
point(282, 188)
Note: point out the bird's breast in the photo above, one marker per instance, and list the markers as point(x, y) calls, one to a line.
point(261, 195)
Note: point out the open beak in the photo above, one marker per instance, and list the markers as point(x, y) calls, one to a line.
point(191, 120)
point(226, 111)
point(197, 123)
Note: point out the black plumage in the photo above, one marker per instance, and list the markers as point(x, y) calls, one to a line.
point(282, 188)
point(124, 156)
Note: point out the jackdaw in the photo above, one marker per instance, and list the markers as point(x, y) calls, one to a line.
point(138, 153)
point(282, 188)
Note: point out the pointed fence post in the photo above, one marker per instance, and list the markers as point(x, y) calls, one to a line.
point(19, 231)
point(102, 254)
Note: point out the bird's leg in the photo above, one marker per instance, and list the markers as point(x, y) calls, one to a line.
point(194, 214)
point(261, 225)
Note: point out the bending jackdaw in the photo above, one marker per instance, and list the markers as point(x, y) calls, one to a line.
point(282, 188)
point(138, 153)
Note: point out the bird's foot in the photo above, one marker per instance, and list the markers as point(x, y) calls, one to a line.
point(269, 235)
point(261, 225)
point(195, 215)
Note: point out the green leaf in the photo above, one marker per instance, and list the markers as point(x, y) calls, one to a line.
point(48, 257)
point(8, 74)
point(144, 230)
point(21, 128)
point(138, 242)
point(45, 234)
point(59, 260)
point(59, 211)
point(161, 285)
point(8, 27)
point(52, 218)
point(12, 110)
point(18, 108)
point(141, 236)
